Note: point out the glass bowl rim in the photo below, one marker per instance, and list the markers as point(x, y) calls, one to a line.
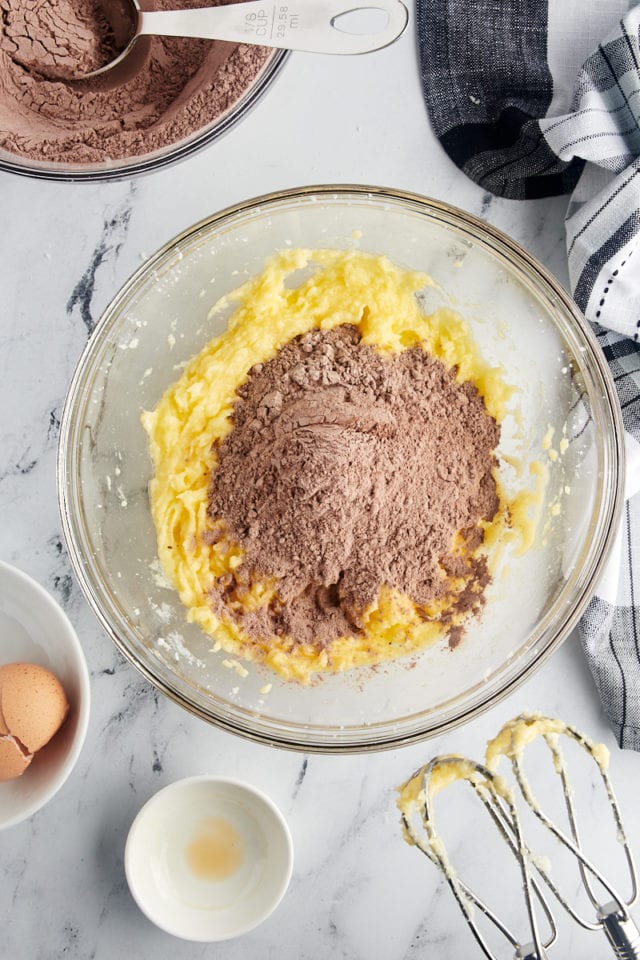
point(276, 732)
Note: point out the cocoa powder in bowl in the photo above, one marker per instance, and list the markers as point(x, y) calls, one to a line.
point(346, 470)
point(185, 86)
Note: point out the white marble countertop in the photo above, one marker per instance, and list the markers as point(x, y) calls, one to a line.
point(358, 892)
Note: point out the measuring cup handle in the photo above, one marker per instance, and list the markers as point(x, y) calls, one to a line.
point(311, 26)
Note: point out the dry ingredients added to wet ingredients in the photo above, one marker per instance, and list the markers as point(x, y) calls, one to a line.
point(326, 485)
point(182, 88)
point(337, 478)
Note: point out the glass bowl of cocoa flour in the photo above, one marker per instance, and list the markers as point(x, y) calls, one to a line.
point(560, 448)
point(187, 93)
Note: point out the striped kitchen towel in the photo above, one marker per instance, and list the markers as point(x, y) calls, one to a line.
point(499, 80)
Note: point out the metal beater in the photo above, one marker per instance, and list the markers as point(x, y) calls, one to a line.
point(499, 800)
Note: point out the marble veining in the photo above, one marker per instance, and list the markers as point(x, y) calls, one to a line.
point(112, 237)
point(358, 891)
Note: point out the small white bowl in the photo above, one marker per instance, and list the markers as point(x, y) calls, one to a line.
point(208, 858)
point(33, 629)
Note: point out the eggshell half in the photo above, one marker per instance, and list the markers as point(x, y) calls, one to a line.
point(13, 762)
point(4, 729)
point(32, 702)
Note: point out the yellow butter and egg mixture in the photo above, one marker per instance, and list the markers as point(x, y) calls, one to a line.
point(297, 291)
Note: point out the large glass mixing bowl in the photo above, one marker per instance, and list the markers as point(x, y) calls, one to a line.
point(521, 318)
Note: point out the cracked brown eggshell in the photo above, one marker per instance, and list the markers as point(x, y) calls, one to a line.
point(33, 704)
point(13, 760)
point(4, 729)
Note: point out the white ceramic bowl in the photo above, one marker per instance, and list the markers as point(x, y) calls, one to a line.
point(33, 629)
point(208, 858)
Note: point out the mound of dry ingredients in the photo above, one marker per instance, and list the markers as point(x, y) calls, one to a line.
point(182, 88)
point(347, 469)
point(62, 39)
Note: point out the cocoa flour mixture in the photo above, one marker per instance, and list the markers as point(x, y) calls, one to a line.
point(346, 470)
point(184, 86)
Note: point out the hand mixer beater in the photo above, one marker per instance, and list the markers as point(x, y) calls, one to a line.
point(416, 802)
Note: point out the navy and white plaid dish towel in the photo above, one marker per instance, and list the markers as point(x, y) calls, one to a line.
point(533, 98)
